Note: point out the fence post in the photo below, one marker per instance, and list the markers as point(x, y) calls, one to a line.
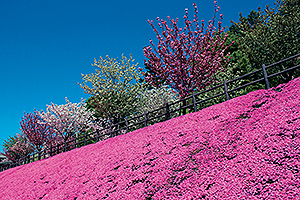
point(50, 150)
point(110, 129)
point(194, 102)
point(184, 104)
point(126, 125)
point(65, 146)
point(168, 111)
point(97, 131)
point(57, 148)
point(43, 154)
point(265, 76)
point(74, 140)
point(226, 90)
point(145, 117)
point(85, 138)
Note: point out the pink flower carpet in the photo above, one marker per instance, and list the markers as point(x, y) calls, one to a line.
point(245, 148)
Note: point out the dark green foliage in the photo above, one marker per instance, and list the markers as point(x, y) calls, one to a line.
point(266, 37)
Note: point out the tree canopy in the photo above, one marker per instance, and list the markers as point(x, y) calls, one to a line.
point(186, 58)
point(268, 36)
point(115, 87)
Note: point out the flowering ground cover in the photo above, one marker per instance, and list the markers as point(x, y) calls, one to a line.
point(244, 148)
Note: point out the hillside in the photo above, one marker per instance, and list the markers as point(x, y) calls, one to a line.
point(244, 148)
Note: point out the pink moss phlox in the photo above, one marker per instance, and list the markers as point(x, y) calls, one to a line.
point(245, 148)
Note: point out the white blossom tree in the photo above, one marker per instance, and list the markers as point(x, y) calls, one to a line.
point(70, 119)
point(153, 99)
point(114, 87)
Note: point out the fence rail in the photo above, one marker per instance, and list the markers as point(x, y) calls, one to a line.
point(126, 126)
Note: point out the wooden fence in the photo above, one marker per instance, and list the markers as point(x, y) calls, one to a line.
point(143, 120)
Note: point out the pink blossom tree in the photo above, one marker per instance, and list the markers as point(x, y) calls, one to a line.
point(69, 119)
point(17, 147)
point(39, 134)
point(186, 58)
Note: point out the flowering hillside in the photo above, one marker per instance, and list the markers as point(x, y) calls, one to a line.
point(245, 148)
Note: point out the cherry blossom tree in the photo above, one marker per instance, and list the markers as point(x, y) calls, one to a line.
point(39, 134)
point(149, 100)
point(69, 119)
point(17, 147)
point(186, 58)
point(156, 98)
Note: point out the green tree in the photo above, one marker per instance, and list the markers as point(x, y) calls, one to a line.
point(268, 36)
point(115, 88)
point(254, 37)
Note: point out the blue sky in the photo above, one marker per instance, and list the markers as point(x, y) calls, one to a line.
point(46, 45)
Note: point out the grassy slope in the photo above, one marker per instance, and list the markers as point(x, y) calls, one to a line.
point(245, 148)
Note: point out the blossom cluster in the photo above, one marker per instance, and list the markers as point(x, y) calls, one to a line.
point(153, 99)
point(244, 148)
point(69, 119)
point(39, 134)
point(59, 124)
point(114, 87)
point(16, 147)
point(186, 58)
